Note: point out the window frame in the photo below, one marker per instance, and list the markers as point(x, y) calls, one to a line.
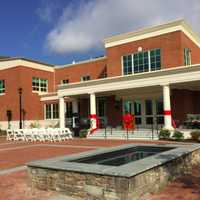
point(141, 62)
point(53, 111)
point(3, 88)
point(65, 81)
point(85, 78)
point(187, 56)
point(39, 85)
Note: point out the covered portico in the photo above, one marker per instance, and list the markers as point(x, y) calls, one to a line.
point(158, 84)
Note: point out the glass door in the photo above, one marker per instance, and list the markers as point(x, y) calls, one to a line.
point(128, 106)
point(138, 112)
point(159, 111)
point(148, 111)
point(101, 111)
point(68, 114)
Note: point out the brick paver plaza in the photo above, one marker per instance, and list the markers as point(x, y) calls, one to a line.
point(15, 183)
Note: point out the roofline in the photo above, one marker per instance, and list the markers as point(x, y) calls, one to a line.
point(26, 59)
point(18, 61)
point(81, 62)
point(173, 26)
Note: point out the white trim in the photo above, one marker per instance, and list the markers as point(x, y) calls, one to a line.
point(133, 70)
point(149, 60)
point(80, 62)
point(122, 66)
point(40, 92)
point(8, 64)
point(55, 97)
point(179, 25)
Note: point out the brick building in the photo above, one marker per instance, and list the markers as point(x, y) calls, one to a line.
point(153, 73)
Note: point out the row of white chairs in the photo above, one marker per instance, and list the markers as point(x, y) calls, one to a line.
point(39, 134)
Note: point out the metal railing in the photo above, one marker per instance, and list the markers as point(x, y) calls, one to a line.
point(154, 129)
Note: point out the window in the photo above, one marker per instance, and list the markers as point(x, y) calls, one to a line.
point(52, 111)
point(159, 111)
point(142, 62)
point(127, 63)
point(187, 56)
point(40, 85)
point(128, 106)
point(55, 111)
point(155, 59)
point(138, 111)
point(2, 86)
point(48, 111)
point(65, 81)
point(85, 78)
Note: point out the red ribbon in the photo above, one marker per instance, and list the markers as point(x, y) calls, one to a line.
point(94, 116)
point(167, 112)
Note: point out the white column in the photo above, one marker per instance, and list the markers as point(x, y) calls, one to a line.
point(167, 108)
point(92, 104)
point(93, 110)
point(62, 112)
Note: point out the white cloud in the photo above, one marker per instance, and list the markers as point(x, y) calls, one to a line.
point(83, 27)
point(47, 11)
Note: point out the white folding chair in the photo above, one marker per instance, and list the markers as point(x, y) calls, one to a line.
point(68, 133)
point(28, 135)
point(18, 135)
point(10, 134)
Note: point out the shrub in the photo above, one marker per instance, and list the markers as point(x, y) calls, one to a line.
point(195, 135)
point(2, 132)
point(54, 125)
point(178, 135)
point(164, 134)
point(35, 125)
point(83, 133)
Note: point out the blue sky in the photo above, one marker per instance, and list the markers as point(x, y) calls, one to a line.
point(60, 31)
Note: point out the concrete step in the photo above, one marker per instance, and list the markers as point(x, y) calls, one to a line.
point(124, 138)
point(123, 135)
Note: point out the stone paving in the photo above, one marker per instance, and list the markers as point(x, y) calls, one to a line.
point(15, 184)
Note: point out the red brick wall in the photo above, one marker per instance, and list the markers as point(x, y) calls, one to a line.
point(84, 108)
point(184, 102)
point(114, 111)
point(22, 77)
point(74, 72)
point(195, 50)
point(170, 45)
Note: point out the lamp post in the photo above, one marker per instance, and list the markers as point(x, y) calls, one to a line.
point(20, 107)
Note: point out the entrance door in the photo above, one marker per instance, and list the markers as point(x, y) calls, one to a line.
point(149, 112)
point(134, 107)
point(138, 112)
point(154, 112)
point(101, 111)
point(146, 111)
point(68, 114)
